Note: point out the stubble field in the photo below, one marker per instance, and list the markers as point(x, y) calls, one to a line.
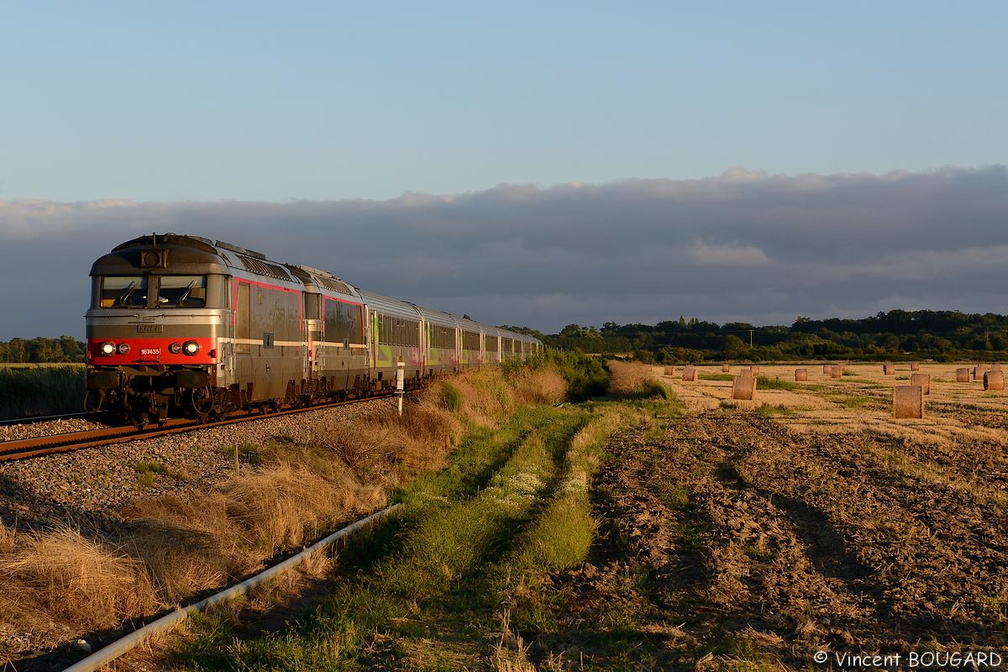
point(756, 534)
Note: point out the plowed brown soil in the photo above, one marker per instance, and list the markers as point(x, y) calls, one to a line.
point(745, 536)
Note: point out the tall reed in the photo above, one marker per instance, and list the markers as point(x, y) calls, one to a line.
point(37, 389)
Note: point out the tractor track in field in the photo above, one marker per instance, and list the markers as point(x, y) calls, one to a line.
point(727, 536)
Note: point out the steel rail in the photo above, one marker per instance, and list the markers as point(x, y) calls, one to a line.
point(21, 449)
point(32, 419)
point(115, 649)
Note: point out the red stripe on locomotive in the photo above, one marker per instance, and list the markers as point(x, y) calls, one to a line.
point(152, 351)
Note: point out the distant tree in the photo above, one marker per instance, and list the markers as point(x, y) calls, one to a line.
point(734, 347)
point(44, 350)
point(73, 350)
point(17, 351)
point(645, 356)
point(40, 349)
point(571, 330)
point(891, 342)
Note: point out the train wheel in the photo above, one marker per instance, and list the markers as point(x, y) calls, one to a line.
point(203, 405)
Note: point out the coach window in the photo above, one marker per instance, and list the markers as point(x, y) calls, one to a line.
point(123, 291)
point(182, 291)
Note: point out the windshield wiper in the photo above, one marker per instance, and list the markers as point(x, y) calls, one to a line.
point(121, 301)
point(185, 295)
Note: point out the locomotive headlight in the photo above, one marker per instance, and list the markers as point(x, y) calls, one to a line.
point(123, 348)
point(190, 347)
point(175, 348)
point(108, 349)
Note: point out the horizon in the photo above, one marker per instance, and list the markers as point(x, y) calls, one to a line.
point(719, 325)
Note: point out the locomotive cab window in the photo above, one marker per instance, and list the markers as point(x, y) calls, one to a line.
point(122, 291)
point(182, 291)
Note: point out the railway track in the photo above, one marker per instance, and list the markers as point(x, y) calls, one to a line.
point(35, 419)
point(22, 449)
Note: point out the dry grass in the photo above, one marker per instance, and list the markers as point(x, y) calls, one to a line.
point(284, 505)
point(511, 654)
point(169, 549)
point(427, 431)
point(544, 386)
point(6, 539)
point(630, 379)
point(77, 579)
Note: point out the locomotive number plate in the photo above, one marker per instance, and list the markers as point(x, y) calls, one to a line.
point(149, 328)
point(150, 351)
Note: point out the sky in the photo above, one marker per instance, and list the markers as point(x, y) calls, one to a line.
point(532, 164)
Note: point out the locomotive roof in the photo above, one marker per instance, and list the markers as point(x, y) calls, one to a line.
point(187, 254)
point(322, 281)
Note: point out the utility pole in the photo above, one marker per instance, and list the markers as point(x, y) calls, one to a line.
point(750, 338)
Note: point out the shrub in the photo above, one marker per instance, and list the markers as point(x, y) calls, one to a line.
point(586, 376)
point(451, 398)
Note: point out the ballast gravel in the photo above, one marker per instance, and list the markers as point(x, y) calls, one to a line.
point(69, 487)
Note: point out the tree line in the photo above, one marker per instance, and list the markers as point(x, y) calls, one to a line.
point(41, 350)
point(894, 335)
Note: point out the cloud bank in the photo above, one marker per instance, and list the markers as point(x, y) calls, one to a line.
point(744, 246)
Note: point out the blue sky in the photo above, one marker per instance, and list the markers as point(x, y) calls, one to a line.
point(527, 163)
point(325, 100)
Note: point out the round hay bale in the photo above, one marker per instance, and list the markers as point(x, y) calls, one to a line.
point(993, 380)
point(963, 375)
point(836, 371)
point(922, 379)
point(979, 370)
point(744, 387)
point(725, 368)
point(995, 367)
point(689, 374)
point(914, 366)
point(827, 369)
point(800, 375)
point(889, 369)
point(754, 370)
point(908, 401)
point(669, 370)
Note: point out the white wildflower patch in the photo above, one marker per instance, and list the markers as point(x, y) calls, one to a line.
point(516, 490)
point(575, 483)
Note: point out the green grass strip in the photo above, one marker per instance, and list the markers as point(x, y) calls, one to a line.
point(425, 591)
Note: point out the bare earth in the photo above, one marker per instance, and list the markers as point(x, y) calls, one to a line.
point(760, 532)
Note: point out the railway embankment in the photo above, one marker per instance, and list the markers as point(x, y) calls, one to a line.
point(106, 536)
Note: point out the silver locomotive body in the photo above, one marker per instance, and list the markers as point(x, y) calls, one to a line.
point(158, 318)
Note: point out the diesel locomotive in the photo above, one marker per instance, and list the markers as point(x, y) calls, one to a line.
point(183, 326)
